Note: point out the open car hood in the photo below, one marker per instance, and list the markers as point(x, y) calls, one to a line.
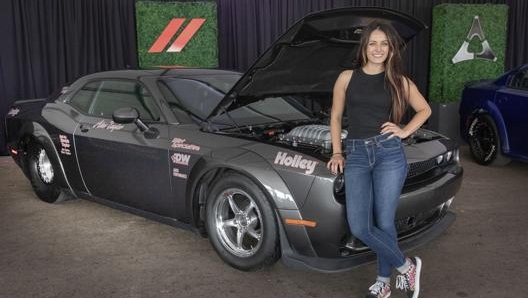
point(311, 54)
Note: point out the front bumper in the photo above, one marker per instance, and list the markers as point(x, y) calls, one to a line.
point(334, 265)
point(422, 215)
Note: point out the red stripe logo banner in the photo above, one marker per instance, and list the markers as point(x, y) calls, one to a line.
point(181, 40)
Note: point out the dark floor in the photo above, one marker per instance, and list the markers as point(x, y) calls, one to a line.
point(83, 249)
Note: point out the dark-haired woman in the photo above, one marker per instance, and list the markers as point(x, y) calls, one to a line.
point(376, 95)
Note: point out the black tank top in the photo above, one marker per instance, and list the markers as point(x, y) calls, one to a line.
point(368, 104)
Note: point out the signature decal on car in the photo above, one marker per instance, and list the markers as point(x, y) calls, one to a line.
point(176, 173)
point(296, 161)
point(13, 112)
point(108, 125)
point(180, 143)
point(181, 159)
point(65, 145)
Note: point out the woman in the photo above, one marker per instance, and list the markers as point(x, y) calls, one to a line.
point(377, 94)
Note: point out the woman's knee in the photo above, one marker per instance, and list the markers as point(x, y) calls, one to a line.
point(360, 231)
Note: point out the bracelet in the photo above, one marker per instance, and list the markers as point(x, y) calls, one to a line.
point(337, 153)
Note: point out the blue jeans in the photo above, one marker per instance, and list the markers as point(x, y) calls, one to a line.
point(375, 171)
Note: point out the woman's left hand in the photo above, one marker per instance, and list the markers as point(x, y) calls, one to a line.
point(394, 130)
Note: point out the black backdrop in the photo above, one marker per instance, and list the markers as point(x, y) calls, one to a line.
point(47, 43)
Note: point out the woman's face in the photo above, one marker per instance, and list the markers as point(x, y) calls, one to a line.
point(377, 47)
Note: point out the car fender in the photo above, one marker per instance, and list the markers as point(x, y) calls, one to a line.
point(265, 176)
point(488, 107)
point(249, 164)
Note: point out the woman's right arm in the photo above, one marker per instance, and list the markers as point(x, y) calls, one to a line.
point(337, 162)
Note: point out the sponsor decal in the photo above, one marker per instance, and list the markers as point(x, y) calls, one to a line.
point(176, 173)
point(475, 31)
point(181, 159)
point(108, 125)
point(181, 40)
point(65, 145)
point(180, 143)
point(13, 112)
point(296, 161)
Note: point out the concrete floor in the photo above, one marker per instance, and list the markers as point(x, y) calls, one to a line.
point(83, 249)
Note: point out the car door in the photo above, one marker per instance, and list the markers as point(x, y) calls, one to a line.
point(512, 101)
point(119, 162)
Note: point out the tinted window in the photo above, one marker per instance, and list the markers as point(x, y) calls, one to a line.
point(102, 98)
point(520, 80)
point(83, 98)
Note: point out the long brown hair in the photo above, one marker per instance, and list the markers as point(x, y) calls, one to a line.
point(394, 76)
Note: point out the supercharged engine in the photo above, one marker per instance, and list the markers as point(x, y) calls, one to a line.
point(313, 135)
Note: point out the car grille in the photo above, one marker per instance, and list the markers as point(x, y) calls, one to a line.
point(418, 168)
point(406, 227)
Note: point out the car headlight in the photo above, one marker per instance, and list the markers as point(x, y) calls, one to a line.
point(447, 157)
point(339, 185)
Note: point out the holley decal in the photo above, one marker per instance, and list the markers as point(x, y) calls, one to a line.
point(296, 161)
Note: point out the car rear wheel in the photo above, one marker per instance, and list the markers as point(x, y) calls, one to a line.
point(43, 174)
point(484, 142)
point(241, 223)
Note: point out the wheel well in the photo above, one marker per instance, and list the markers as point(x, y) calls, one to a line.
point(37, 133)
point(201, 192)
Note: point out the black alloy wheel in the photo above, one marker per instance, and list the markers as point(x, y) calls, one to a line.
point(484, 141)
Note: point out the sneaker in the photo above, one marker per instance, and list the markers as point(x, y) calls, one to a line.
point(410, 280)
point(379, 290)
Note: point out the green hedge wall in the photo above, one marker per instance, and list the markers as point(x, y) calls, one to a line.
point(152, 18)
point(450, 26)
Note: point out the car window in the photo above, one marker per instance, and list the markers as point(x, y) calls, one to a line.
point(520, 80)
point(102, 98)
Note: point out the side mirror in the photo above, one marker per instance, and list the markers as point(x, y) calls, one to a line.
point(131, 115)
point(125, 115)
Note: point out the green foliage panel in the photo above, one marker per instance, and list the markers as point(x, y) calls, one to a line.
point(153, 17)
point(450, 27)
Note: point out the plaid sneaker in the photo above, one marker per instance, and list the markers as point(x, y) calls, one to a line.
point(379, 290)
point(410, 280)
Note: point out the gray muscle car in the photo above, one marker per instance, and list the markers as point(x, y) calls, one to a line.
point(239, 158)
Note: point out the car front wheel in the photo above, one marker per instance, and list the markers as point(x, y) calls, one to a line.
point(484, 141)
point(241, 224)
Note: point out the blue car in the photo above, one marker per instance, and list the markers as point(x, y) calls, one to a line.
point(493, 118)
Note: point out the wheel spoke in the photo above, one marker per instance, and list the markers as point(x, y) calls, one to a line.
point(254, 234)
point(249, 208)
point(253, 221)
point(232, 203)
point(240, 238)
point(229, 223)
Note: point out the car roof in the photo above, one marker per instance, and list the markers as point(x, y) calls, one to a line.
point(166, 72)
